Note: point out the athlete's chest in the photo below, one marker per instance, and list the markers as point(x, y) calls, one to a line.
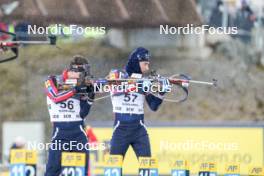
point(128, 103)
point(68, 110)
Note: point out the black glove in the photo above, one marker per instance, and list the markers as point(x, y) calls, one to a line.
point(87, 91)
point(90, 93)
point(91, 96)
point(89, 88)
point(81, 89)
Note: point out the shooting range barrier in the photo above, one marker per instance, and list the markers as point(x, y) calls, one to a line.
point(205, 151)
point(73, 164)
point(149, 167)
point(23, 162)
point(194, 145)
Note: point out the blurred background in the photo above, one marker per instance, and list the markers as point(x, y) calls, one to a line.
point(236, 61)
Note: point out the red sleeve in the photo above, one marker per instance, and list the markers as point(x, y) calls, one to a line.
point(53, 93)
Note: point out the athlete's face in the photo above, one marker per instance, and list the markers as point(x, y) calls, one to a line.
point(144, 66)
point(73, 75)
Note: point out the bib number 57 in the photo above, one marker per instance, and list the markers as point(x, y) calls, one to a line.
point(130, 97)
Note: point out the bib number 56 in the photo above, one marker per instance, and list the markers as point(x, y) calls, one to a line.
point(68, 104)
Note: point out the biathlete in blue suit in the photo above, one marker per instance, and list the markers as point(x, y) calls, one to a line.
point(128, 107)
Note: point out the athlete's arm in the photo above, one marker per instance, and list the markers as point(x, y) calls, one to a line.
point(86, 103)
point(153, 101)
point(85, 108)
point(54, 94)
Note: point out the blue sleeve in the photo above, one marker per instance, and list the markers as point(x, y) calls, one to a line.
point(85, 108)
point(153, 102)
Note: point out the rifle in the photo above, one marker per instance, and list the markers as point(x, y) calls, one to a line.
point(181, 81)
point(14, 44)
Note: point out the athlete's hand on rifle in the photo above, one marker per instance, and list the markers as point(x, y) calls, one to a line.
point(86, 91)
point(165, 86)
point(81, 89)
point(90, 93)
point(146, 85)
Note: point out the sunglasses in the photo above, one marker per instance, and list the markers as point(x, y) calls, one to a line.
point(81, 68)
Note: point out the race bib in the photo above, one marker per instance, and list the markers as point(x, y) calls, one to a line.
point(131, 103)
point(66, 111)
